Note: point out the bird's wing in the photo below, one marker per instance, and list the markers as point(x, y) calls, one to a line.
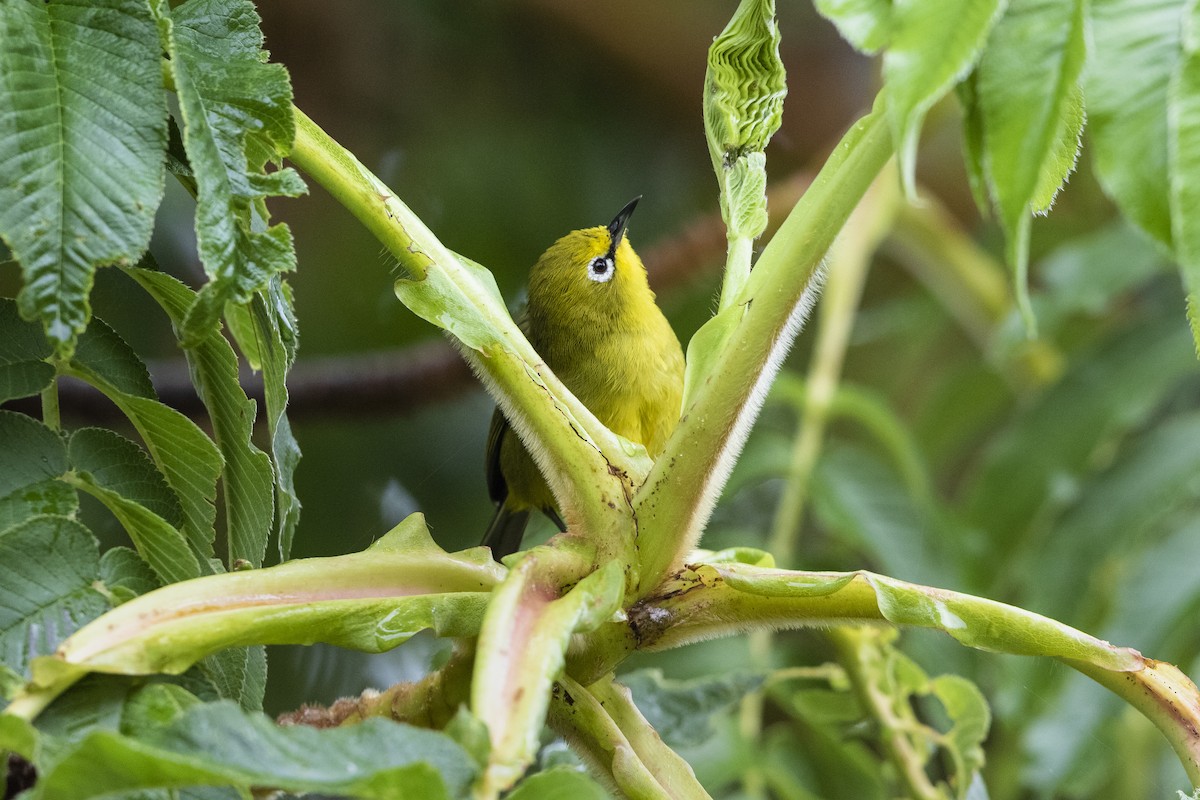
point(497, 486)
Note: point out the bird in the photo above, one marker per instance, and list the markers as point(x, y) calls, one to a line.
point(592, 317)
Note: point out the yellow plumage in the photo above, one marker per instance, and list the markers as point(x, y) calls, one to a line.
point(592, 317)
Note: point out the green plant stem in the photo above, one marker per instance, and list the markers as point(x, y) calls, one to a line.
point(674, 503)
point(854, 646)
point(50, 414)
point(582, 719)
point(590, 469)
point(737, 268)
point(850, 259)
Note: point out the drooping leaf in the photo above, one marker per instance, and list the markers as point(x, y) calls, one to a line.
point(24, 370)
point(1137, 47)
point(119, 474)
point(275, 326)
point(237, 116)
point(246, 478)
point(682, 711)
point(1027, 92)
point(1183, 164)
point(185, 456)
point(82, 131)
point(47, 566)
point(219, 744)
point(917, 75)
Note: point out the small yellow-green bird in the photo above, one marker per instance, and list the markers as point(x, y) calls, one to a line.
point(592, 317)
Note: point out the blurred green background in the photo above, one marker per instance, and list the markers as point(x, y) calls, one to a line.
point(1062, 475)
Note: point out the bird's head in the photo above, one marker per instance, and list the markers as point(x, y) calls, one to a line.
point(590, 272)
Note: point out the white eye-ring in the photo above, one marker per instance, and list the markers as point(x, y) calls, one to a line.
point(600, 269)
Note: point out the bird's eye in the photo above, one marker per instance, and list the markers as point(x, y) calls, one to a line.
point(600, 269)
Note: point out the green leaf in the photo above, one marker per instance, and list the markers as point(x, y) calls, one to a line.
point(237, 115)
point(1027, 92)
point(559, 783)
point(1136, 48)
point(32, 455)
point(155, 707)
point(275, 326)
point(219, 744)
point(118, 473)
point(125, 575)
point(83, 125)
point(970, 719)
point(865, 24)
point(185, 456)
point(682, 711)
point(23, 350)
point(917, 74)
point(47, 567)
point(246, 479)
point(119, 465)
point(31, 460)
point(1183, 151)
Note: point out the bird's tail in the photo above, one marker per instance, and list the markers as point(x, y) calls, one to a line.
point(505, 531)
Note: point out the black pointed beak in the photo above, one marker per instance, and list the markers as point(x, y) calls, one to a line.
point(616, 228)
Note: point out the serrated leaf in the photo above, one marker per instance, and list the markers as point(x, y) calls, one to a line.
point(1063, 154)
point(32, 453)
point(82, 132)
point(47, 566)
point(125, 574)
point(682, 711)
point(275, 326)
point(917, 75)
point(865, 24)
point(31, 460)
point(1183, 144)
point(219, 744)
point(118, 464)
point(118, 473)
point(23, 350)
point(1137, 47)
point(1027, 92)
point(246, 479)
point(237, 115)
point(185, 456)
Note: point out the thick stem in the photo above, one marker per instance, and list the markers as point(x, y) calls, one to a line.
point(589, 468)
point(754, 333)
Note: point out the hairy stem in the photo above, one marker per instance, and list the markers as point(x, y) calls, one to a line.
point(753, 334)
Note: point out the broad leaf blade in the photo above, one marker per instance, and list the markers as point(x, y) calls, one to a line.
point(246, 478)
point(121, 476)
point(225, 91)
point(1183, 149)
point(24, 370)
point(185, 456)
point(917, 74)
point(1137, 47)
point(1026, 87)
point(82, 132)
point(682, 711)
point(219, 744)
point(47, 567)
